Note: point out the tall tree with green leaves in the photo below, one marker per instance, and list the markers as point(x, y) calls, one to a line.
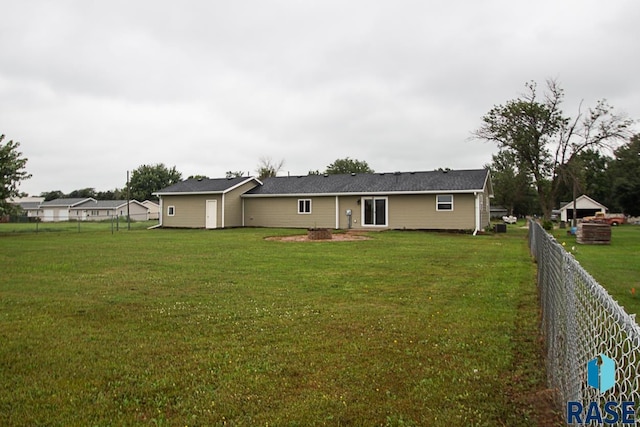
point(511, 186)
point(347, 165)
point(544, 141)
point(12, 172)
point(147, 179)
point(591, 177)
point(625, 170)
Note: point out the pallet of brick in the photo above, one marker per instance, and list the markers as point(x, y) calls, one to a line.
point(593, 234)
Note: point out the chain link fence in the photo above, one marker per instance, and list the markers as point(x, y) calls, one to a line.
point(580, 321)
point(31, 224)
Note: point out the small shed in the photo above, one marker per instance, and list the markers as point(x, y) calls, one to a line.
point(585, 206)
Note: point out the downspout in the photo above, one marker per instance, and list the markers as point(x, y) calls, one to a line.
point(242, 207)
point(337, 213)
point(222, 209)
point(161, 211)
point(477, 213)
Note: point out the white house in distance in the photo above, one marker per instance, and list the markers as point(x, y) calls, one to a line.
point(153, 209)
point(30, 205)
point(585, 206)
point(100, 210)
point(58, 209)
point(86, 209)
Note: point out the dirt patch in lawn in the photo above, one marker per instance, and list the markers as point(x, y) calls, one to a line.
point(338, 237)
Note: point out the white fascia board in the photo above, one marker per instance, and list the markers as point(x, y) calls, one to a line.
point(240, 184)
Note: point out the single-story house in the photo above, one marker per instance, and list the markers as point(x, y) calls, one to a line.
point(585, 206)
point(99, 210)
point(58, 209)
point(153, 209)
point(441, 200)
point(30, 206)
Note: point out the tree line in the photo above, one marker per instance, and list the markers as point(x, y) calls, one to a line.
point(546, 157)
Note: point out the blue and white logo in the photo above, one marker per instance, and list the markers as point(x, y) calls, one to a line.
point(601, 373)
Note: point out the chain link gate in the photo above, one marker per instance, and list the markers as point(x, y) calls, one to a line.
point(580, 321)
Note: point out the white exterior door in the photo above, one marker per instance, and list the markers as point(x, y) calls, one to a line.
point(211, 219)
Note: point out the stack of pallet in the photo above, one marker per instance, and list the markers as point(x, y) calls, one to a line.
point(593, 234)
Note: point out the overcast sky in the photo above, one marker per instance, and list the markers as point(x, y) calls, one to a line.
point(92, 89)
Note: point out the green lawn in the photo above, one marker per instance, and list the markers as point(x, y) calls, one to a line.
point(616, 266)
point(194, 327)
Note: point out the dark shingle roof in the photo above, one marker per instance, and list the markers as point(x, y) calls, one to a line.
point(393, 182)
point(105, 204)
point(65, 202)
point(205, 185)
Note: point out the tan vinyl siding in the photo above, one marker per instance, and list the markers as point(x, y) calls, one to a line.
point(233, 205)
point(419, 212)
point(404, 212)
point(189, 210)
point(283, 212)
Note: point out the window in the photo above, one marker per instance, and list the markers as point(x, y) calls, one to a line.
point(171, 210)
point(444, 202)
point(374, 211)
point(304, 206)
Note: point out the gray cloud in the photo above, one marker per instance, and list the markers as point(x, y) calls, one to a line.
point(92, 89)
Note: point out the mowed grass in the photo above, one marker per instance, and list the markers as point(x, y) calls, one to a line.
point(194, 327)
point(616, 266)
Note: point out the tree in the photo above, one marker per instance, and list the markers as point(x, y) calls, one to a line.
point(511, 185)
point(115, 194)
point(83, 193)
point(234, 174)
point(591, 177)
point(544, 141)
point(52, 195)
point(147, 179)
point(12, 172)
point(348, 165)
point(625, 170)
point(267, 168)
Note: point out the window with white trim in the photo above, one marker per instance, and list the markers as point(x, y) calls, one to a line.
point(444, 202)
point(304, 206)
point(374, 211)
point(171, 210)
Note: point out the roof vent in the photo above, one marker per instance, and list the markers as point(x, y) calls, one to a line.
point(326, 175)
point(353, 174)
point(199, 178)
point(397, 173)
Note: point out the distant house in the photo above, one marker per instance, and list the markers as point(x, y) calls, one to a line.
point(58, 209)
point(99, 210)
point(442, 200)
point(153, 209)
point(585, 206)
point(30, 206)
